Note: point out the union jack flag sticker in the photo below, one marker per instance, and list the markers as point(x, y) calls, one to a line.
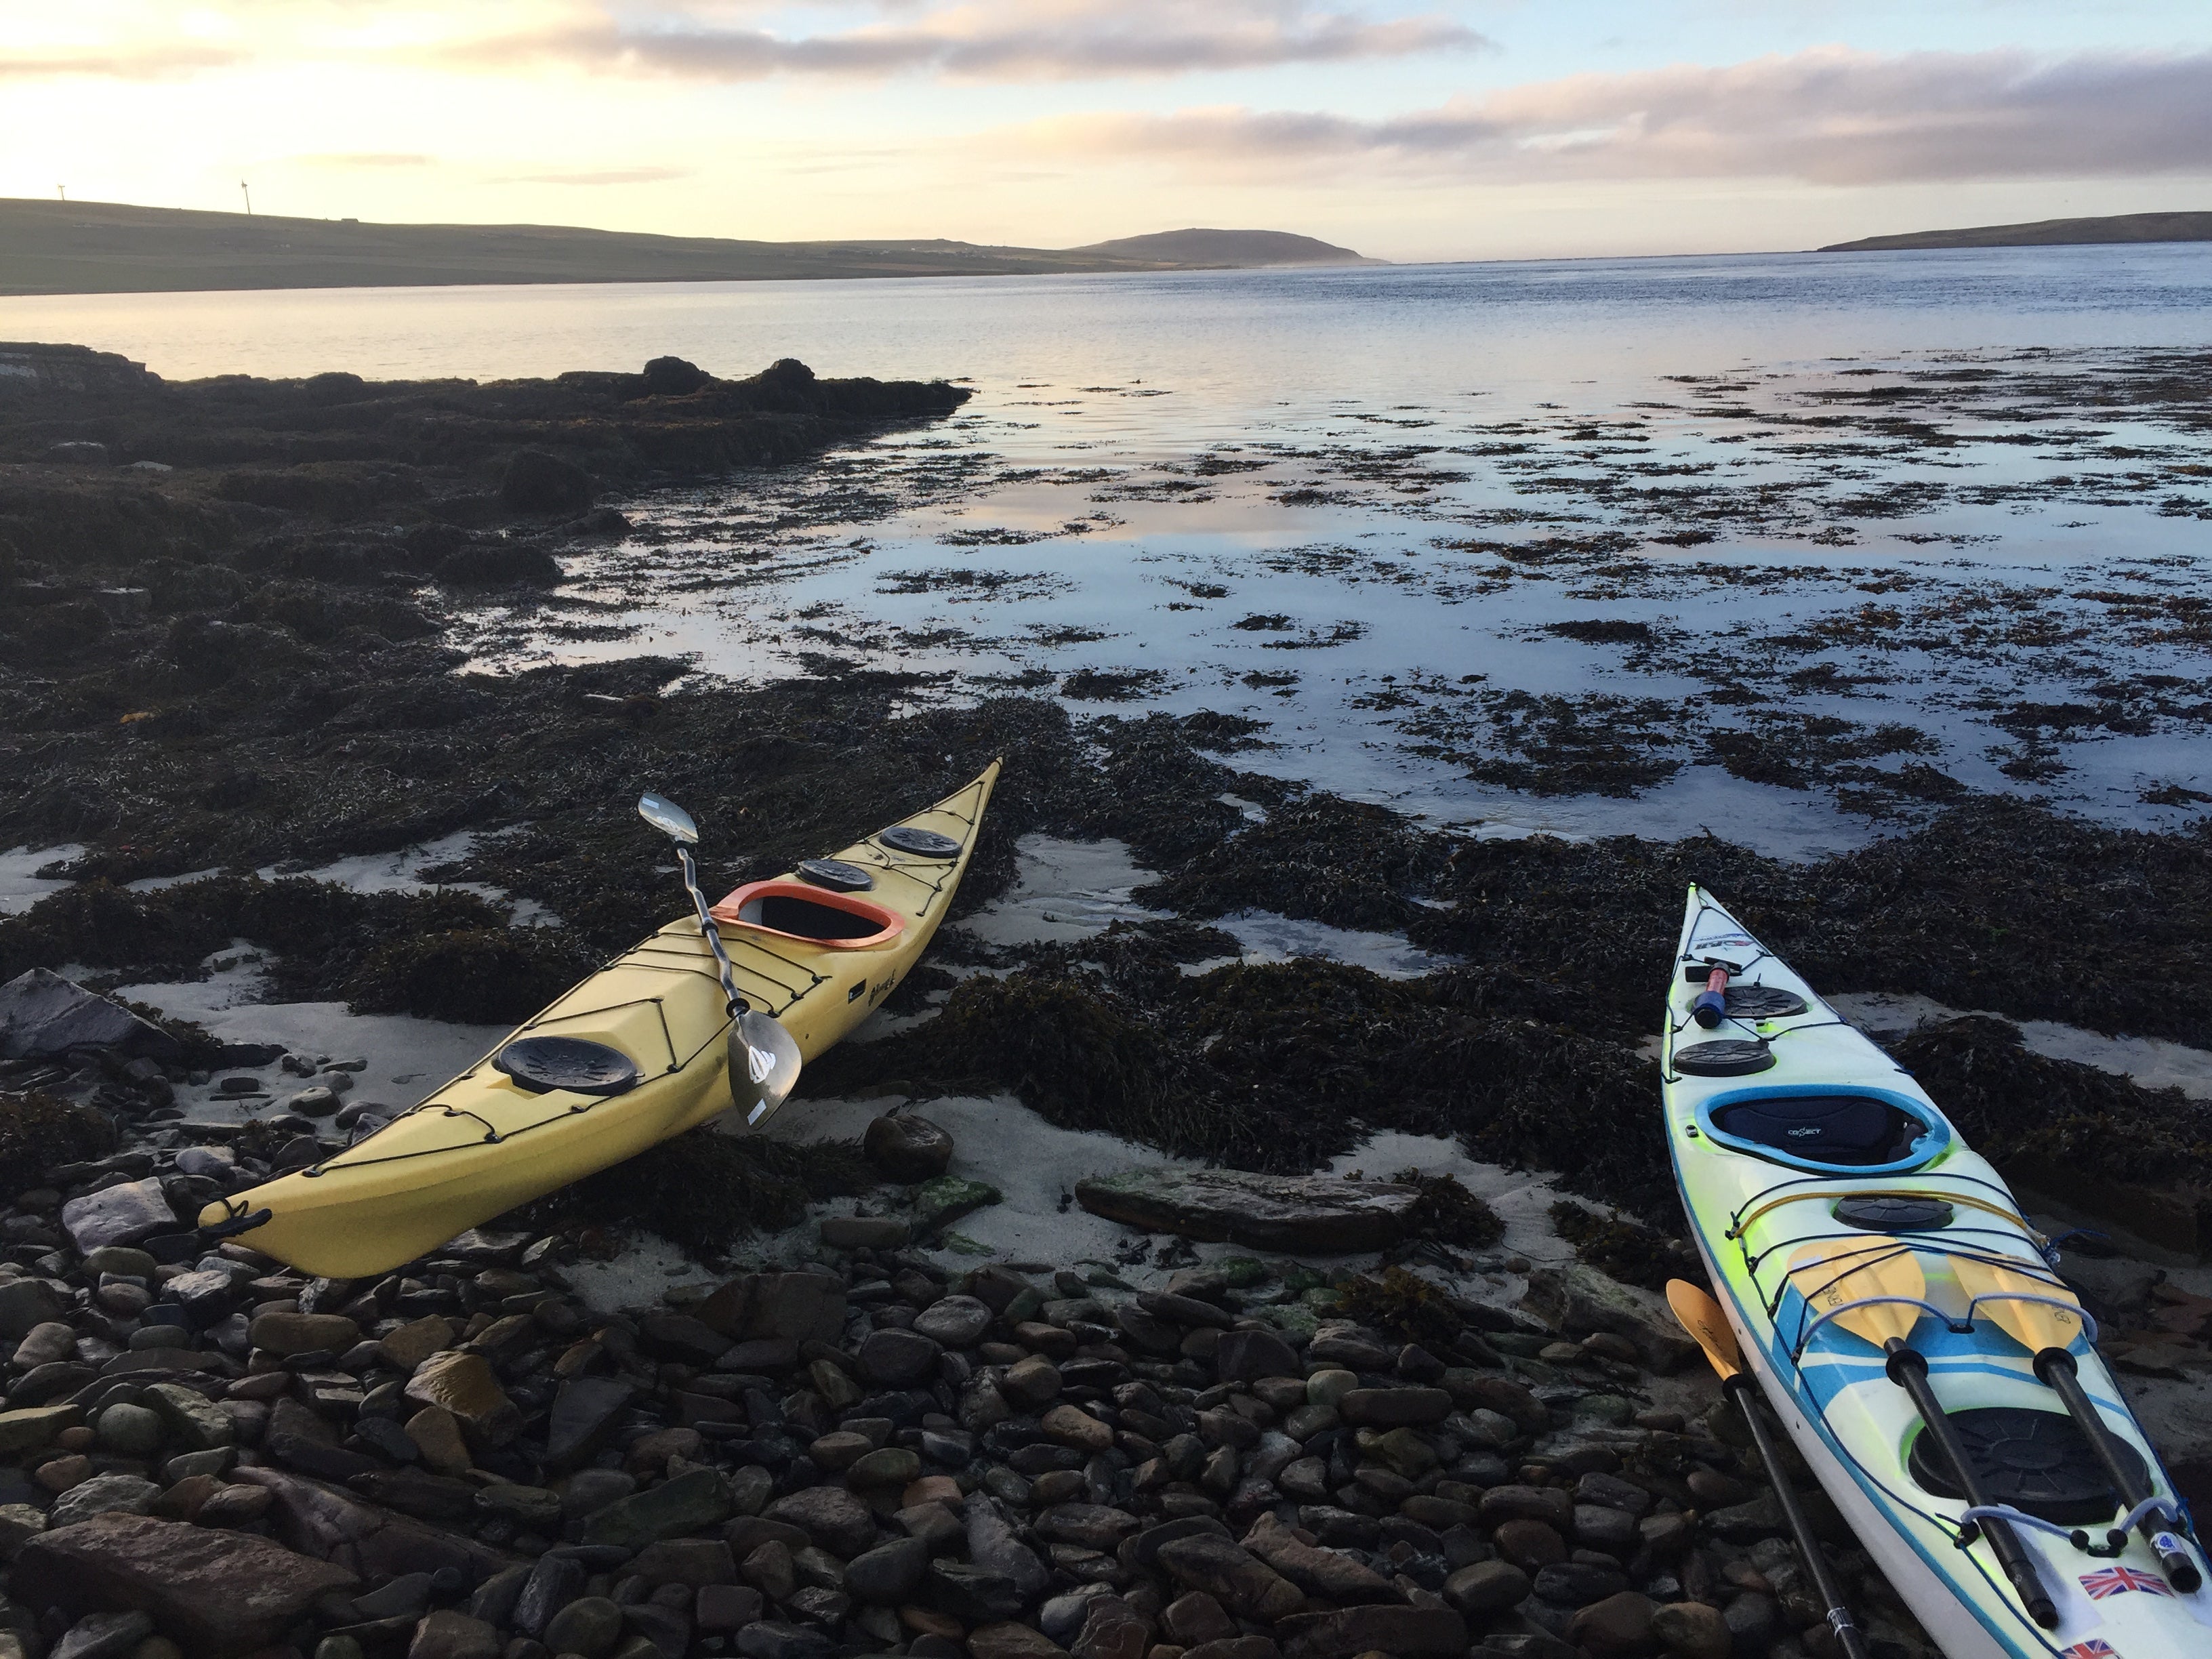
point(2118, 1580)
point(2095, 1648)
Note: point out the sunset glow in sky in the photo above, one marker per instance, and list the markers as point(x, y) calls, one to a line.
point(1408, 130)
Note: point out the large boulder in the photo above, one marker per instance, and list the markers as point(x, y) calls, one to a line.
point(121, 1214)
point(1582, 1301)
point(42, 1014)
point(1306, 1215)
point(217, 1592)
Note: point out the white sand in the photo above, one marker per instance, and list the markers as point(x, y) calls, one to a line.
point(407, 1057)
point(1068, 889)
point(19, 888)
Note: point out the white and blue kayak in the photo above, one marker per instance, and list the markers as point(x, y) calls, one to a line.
point(1909, 1328)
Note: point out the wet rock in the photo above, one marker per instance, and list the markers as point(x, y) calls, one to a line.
point(993, 1546)
point(288, 1333)
point(465, 1385)
point(1579, 1583)
point(770, 1638)
point(1407, 1633)
point(693, 1501)
point(411, 1344)
point(720, 1608)
point(697, 1562)
point(856, 1232)
point(832, 1517)
point(1234, 1576)
point(1618, 1627)
point(939, 1202)
point(27, 1305)
point(554, 1581)
point(955, 1321)
point(103, 1494)
point(887, 1574)
point(1011, 1641)
point(585, 1413)
point(1325, 1573)
point(590, 1625)
point(1485, 1588)
point(121, 1214)
point(1247, 1356)
point(794, 1307)
point(1385, 1408)
point(1580, 1300)
point(446, 1634)
point(907, 1148)
point(43, 1014)
point(1317, 1215)
point(103, 1636)
point(894, 1358)
point(1693, 1630)
point(221, 1593)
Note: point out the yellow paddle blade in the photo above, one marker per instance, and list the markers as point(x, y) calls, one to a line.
point(1841, 1271)
point(2034, 1325)
point(1701, 1316)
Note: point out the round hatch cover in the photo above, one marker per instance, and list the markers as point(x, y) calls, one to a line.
point(922, 843)
point(1725, 1057)
point(1879, 1212)
point(836, 875)
point(2038, 1462)
point(542, 1064)
point(1760, 1002)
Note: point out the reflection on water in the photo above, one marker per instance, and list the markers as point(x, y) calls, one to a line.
point(1795, 546)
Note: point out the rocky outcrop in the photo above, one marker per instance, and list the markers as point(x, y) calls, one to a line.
point(1308, 1215)
point(42, 1014)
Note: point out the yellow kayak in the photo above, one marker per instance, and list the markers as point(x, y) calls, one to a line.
point(818, 949)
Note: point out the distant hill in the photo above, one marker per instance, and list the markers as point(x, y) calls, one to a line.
point(105, 247)
point(1235, 248)
point(2047, 232)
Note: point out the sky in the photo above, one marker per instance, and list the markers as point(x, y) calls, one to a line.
point(1479, 129)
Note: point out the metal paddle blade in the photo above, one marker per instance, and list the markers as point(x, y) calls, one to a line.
point(1997, 1291)
point(671, 820)
point(1839, 1272)
point(1701, 1316)
point(763, 1065)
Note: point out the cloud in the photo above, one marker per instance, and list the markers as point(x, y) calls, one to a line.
point(601, 176)
point(1830, 116)
point(166, 62)
point(997, 40)
point(371, 159)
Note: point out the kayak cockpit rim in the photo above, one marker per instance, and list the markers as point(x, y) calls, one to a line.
point(1935, 1135)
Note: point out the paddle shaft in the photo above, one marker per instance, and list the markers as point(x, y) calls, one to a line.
point(713, 934)
point(2056, 1369)
point(1741, 1389)
point(1910, 1372)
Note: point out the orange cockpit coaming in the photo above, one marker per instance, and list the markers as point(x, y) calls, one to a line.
point(792, 909)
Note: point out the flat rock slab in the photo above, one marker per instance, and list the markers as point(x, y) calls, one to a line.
point(42, 1014)
point(121, 1214)
point(1312, 1215)
point(218, 1592)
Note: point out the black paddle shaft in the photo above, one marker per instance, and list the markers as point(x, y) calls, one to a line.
point(1910, 1372)
point(1745, 1393)
point(2056, 1367)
